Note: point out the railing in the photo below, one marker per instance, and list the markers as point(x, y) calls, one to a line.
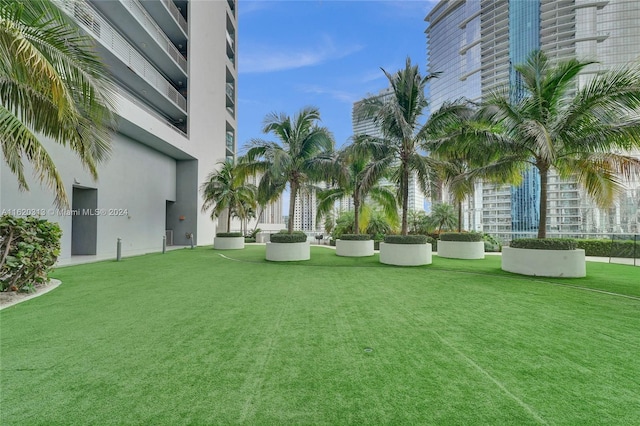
point(151, 111)
point(229, 89)
point(156, 32)
point(103, 32)
point(230, 40)
point(230, 142)
point(173, 10)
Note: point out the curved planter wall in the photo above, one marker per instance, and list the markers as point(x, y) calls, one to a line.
point(405, 254)
point(228, 243)
point(461, 249)
point(287, 252)
point(544, 263)
point(353, 248)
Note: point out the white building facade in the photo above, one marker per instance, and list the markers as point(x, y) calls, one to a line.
point(175, 65)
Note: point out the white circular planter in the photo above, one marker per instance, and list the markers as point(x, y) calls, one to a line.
point(461, 249)
point(228, 243)
point(405, 254)
point(287, 252)
point(544, 263)
point(354, 248)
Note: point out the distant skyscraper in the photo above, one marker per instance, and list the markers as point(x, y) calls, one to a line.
point(475, 45)
point(305, 211)
point(272, 212)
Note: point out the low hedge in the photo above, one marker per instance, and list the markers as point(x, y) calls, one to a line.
point(284, 237)
point(608, 248)
point(355, 237)
point(228, 234)
point(544, 243)
point(405, 239)
point(249, 240)
point(472, 237)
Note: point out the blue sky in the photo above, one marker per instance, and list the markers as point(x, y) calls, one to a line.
point(327, 54)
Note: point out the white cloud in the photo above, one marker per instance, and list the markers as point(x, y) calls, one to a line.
point(339, 95)
point(262, 59)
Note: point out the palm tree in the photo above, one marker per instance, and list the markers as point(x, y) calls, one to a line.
point(51, 84)
point(578, 132)
point(225, 189)
point(443, 216)
point(398, 118)
point(419, 222)
point(356, 174)
point(298, 159)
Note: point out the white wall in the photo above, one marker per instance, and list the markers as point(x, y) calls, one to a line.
point(133, 187)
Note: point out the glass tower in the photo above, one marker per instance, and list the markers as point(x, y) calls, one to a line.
point(524, 37)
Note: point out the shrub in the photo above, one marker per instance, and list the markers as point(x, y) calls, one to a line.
point(253, 234)
point(491, 244)
point(433, 242)
point(249, 240)
point(606, 248)
point(285, 237)
point(461, 236)
point(29, 247)
point(355, 237)
point(405, 239)
point(544, 243)
point(228, 234)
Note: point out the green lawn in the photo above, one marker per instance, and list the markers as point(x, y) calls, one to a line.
point(192, 337)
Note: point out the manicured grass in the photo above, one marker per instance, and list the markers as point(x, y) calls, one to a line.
point(192, 337)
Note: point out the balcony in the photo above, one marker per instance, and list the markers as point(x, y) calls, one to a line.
point(127, 65)
point(132, 19)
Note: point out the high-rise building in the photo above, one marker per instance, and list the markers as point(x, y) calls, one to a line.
point(175, 66)
point(476, 44)
point(305, 211)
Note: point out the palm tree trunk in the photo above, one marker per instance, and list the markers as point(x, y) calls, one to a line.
point(292, 205)
point(356, 214)
point(229, 219)
point(542, 225)
point(459, 216)
point(405, 198)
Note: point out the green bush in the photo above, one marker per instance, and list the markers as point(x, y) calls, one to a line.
point(253, 234)
point(355, 237)
point(491, 244)
point(249, 240)
point(433, 242)
point(461, 236)
point(228, 234)
point(29, 247)
point(544, 243)
point(405, 239)
point(606, 248)
point(285, 237)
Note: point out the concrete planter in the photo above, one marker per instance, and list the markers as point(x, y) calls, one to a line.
point(461, 249)
point(288, 252)
point(544, 263)
point(354, 248)
point(405, 254)
point(228, 243)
